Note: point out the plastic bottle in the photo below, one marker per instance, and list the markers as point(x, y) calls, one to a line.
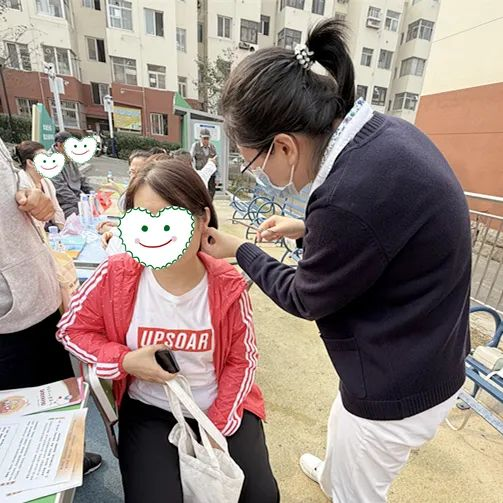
point(53, 237)
point(110, 176)
point(92, 205)
point(85, 210)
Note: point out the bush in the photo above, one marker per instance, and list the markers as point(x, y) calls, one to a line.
point(127, 142)
point(21, 128)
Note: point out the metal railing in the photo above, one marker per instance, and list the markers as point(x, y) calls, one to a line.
point(487, 250)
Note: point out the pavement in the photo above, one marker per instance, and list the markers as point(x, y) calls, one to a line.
point(299, 385)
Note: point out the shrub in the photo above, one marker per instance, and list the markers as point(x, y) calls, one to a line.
point(127, 142)
point(20, 130)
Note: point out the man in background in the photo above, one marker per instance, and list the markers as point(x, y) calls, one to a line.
point(202, 151)
point(69, 183)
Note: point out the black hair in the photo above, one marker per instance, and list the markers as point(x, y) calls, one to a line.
point(26, 150)
point(269, 92)
point(157, 150)
point(62, 136)
point(144, 154)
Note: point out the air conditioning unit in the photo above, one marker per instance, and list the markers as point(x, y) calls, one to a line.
point(253, 47)
point(244, 45)
point(373, 22)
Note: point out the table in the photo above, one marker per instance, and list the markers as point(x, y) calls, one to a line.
point(66, 496)
point(91, 256)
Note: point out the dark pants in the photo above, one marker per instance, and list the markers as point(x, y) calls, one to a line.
point(149, 462)
point(33, 357)
point(212, 185)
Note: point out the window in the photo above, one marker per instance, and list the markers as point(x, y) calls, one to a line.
point(385, 58)
point(24, 106)
point(412, 66)
point(379, 96)
point(392, 18)
point(200, 32)
point(296, 4)
point(361, 92)
point(289, 38)
point(318, 7)
point(96, 49)
point(159, 123)
point(120, 14)
point(249, 31)
point(374, 12)
point(157, 76)
point(366, 56)
point(154, 22)
point(99, 90)
point(420, 29)
point(405, 101)
point(14, 4)
point(181, 39)
point(124, 70)
point(18, 56)
point(92, 4)
point(224, 26)
point(60, 58)
point(70, 111)
point(265, 23)
point(55, 8)
point(182, 86)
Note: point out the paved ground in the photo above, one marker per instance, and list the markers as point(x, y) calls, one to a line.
point(299, 385)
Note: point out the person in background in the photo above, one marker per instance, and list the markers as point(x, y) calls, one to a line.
point(206, 173)
point(30, 178)
point(202, 151)
point(69, 183)
point(157, 150)
point(30, 296)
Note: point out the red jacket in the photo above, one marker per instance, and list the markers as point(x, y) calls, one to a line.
point(95, 326)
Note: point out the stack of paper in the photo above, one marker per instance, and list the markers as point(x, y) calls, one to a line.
point(43, 453)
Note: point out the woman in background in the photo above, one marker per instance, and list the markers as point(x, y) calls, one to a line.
point(30, 178)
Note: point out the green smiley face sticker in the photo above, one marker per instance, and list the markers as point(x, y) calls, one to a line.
point(157, 241)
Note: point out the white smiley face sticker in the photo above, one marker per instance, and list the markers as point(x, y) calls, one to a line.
point(157, 241)
point(80, 151)
point(49, 165)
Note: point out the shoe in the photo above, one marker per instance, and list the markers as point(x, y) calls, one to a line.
point(91, 462)
point(311, 466)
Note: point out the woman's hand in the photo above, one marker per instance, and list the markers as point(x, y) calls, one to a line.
point(106, 226)
point(277, 227)
point(105, 239)
point(141, 363)
point(220, 244)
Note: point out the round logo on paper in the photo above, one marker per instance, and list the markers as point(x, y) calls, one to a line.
point(160, 240)
point(12, 404)
point(49, 165)
point(80, 151)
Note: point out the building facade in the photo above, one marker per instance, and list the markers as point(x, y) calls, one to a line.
point(137, 51)
point(143, 52)
point(462, 104)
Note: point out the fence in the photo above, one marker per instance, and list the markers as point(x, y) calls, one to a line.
point(487, 249)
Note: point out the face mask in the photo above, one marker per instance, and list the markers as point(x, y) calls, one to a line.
point(263, 179)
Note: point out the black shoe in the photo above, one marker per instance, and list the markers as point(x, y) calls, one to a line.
point(91, 462)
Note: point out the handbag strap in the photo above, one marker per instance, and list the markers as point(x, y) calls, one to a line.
point(178, 386)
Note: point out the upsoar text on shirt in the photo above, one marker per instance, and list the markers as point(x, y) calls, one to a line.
point(179, 340)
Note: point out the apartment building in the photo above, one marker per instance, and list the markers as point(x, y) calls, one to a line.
point(140, 52)
point(389, 39)
point(462, 103)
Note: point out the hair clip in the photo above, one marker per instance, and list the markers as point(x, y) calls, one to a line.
point(303, 56)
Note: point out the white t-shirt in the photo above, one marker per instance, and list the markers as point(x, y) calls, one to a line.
point(183, 323)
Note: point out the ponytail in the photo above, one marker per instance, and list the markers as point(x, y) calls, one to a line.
point(274, 91)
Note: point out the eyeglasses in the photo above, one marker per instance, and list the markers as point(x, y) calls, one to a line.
point(248, 165)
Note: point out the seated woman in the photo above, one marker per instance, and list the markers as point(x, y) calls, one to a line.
point(197, 306)
point(30, 178)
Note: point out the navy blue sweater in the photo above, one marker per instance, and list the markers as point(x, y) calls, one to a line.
point(385, 272)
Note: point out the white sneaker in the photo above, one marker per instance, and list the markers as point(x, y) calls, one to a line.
point(311, 466)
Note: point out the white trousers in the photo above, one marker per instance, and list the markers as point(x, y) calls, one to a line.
point(364, 456)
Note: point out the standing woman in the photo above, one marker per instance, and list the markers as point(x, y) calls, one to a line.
point(386, 264)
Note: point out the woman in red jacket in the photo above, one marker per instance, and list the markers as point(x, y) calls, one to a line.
point(199, 307)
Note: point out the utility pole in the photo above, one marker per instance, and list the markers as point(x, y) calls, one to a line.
point(57, 87)
point(108, 105)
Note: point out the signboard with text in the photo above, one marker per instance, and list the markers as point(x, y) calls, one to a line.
point(127, 118)
point(42, 126)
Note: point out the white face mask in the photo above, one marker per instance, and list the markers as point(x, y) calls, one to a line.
point(263, 179)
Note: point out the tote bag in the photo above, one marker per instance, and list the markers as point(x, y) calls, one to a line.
point(208, 474)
